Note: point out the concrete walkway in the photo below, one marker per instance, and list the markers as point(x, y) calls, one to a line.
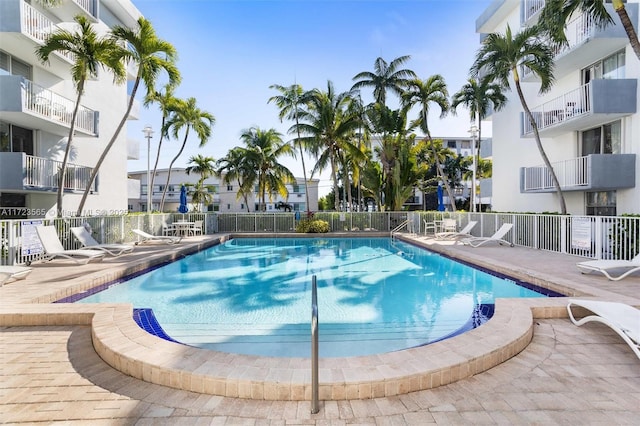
point(567, 374)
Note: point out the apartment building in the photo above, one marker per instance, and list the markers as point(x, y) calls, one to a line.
point(224, 196)
point(36, 103)
point(589, 121)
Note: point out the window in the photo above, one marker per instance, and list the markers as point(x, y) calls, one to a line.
point(16, 139)
point(611, 67)
point(606, 139)
point(601, 203)
point(229, 187)
point(451, 144)
point(228, 206)
point(13, 66)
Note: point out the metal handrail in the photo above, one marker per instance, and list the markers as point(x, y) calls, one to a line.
point(397, 228)
point(314, 346)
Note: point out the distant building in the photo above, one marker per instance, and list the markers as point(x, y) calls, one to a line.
point(36, 103)
point(224, 196)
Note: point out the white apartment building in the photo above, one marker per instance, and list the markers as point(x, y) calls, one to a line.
point(589, 121)
point(36, 103)
point(224, 196)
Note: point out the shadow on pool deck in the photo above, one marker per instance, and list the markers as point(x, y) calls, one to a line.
point(551, 381)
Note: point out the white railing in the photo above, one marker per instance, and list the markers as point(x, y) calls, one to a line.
point(55, 107)
point(600, 237)
point(570, 105)
point(570, 173)
point(38, 27)
point(42, 173)
point(531, 8)
point(87, 5)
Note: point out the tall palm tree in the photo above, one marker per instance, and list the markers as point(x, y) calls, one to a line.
point(480, 98)
point(264, 149)
point(385, 76)
point(152, 55)
point(205, 167)
point(189, 117)
point(499, 58)
point(90, 52)
point(167, 104)
point(424, 93)
point(291, 102)
point(555, 14)
point(330, 126)
point(235, 166)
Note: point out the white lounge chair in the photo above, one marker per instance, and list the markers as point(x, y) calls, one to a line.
point(623, 319)
point(497, 237)
point(608, 267)
point(13, 273)
point(53, 248)
point(147, 238)
point(89, 243)
point(452, 235)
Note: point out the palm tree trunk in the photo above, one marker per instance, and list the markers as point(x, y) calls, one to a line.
point(155, 165)
point(67, 150)
point(477, 154)
point(441, 174)
point(164, 192)
point(334, 178)
point(94, 173)
point(543, 154)
point(304, 170)
point(628, 26)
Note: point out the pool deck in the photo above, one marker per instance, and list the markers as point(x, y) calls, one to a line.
point(527, 365)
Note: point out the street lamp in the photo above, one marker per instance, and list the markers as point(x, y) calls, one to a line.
point(148, 133)
point(474, 135)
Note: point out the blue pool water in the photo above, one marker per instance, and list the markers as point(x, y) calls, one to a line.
point(253, 296)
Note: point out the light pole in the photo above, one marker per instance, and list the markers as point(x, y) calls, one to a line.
point(474, 134)
point(148, 133)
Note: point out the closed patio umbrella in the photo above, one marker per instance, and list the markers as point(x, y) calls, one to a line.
point(183, 200)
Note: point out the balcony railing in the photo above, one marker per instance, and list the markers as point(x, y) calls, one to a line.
point(594, 172)
point(570, 173)
point(570, 105)
point(531, 8)
point(88, 5)
point(55, 107)
point(38, 26)
point(42, 173)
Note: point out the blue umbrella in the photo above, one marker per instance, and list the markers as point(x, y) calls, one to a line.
point(183, 200)
point(440, 199)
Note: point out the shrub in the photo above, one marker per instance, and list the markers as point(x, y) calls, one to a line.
point(312, 226)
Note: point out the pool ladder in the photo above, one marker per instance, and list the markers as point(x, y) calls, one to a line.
point(314, 346)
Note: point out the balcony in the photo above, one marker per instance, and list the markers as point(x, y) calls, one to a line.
point(22, 172)
point(592, 104)
point(30, 105)
point(595, 172)
point(134, 114)
point(531, 10)
point(23, 28)
point(588, 43)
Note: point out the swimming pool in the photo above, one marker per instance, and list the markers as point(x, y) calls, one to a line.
point(252, 296)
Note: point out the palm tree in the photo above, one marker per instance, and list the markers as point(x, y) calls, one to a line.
point(555, 14)
point(235, 166)
point(152, 55)
point(187, 116)
point(499, 58)
point(90, 52)
point(168, 104)
point(264, 149)
point(424, 93)
point(204, 166)
point(290, 102)
point(480, 98)
point(330, 126)
point(385, 77)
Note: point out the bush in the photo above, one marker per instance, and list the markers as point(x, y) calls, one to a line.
point(318, 226)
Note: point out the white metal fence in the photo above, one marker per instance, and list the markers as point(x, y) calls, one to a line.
point(599, 237)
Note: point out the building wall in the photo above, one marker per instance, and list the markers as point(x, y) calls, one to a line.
point(511, 151)
point(101, 95)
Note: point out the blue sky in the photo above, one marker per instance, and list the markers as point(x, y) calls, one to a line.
point(231, 51)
